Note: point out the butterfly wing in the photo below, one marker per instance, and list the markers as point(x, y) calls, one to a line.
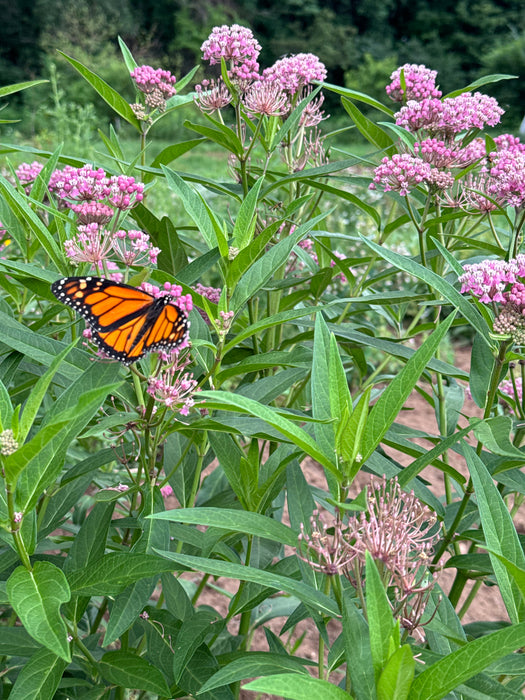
point(126, 322)
point(104, 304)
point(164, 328)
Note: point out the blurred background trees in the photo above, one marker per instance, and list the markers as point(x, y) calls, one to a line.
point(360, 42)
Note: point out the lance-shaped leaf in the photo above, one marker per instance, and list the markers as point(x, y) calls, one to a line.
point(393, 398)
point(438, 283)
point(108, 94)
point(36, 597)
point(223, 400)
point(297, 687)
point(132, 671)
point(39, 677)
point(500, 533)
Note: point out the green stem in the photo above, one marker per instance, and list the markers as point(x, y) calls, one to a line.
point(469, 489)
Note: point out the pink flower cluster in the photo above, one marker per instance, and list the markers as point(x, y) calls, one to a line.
point(213, 294)
point(295, 72)
point(27, 173)
point(450, 116)
point(173, 387)
point(496, 281)
point(148, 80)
point(237, 45)
point(507, 176)
point(87, 184)
point(420, 83)
point(97, 199)
point(401, 173)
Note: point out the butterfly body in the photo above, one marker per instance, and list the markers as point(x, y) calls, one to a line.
point(126, 322)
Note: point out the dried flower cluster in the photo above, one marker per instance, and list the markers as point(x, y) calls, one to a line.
point(398, 530)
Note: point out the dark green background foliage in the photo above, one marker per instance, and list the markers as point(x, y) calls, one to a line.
point(360, 41)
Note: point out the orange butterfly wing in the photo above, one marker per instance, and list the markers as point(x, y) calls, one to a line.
point(126, 322)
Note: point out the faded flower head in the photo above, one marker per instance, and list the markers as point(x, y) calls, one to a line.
point(265, 99)
point(293, 73)
point(173, 387)
point(420, 83)
point(212, 96)
point(398, 531)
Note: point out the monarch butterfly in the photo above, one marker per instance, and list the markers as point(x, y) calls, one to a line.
point(126, 322)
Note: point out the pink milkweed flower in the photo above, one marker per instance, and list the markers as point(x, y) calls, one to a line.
point(149, 80)
point(166, 491)
point(236, 45)
point(134, 248)
point(212, 96)
point(173, 387)
point(401, 173)
point(420, 83)
point(294, 72)
point(265, 98)
point(92, 244)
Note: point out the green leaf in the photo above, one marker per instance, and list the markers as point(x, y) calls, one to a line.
point(38, 392)
point(278, 319)
point(130, 62)
point(396, 679)
point(439, 679)
point(293, 120)
point(321, 386)
point(222, 136)
point(372, 133)
point(357, 652)
point(192, 634)
point(371, 211)
point(350, 435)
point(253, 663)
point(223, 400)
point(296, 687)
point(131, 671)
point(360, 96)
point(481, 364)
point(40, 448)
point(14, 209)
point(245, 221)
point(6, 407)
point(263, 269)
point(42, 469)
point(234, 521)
point(380, 620)
point(309, 595)
point(108, 94)
point(437, 282)
point(36, 597)
point(172, 152)
point(484, 80)
point(114, 572)
point(193, 205)
point(393, 398)
point(127, 606)
point(500, 533)
point(39, 677)
point(494, 434)
point(17, 87)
